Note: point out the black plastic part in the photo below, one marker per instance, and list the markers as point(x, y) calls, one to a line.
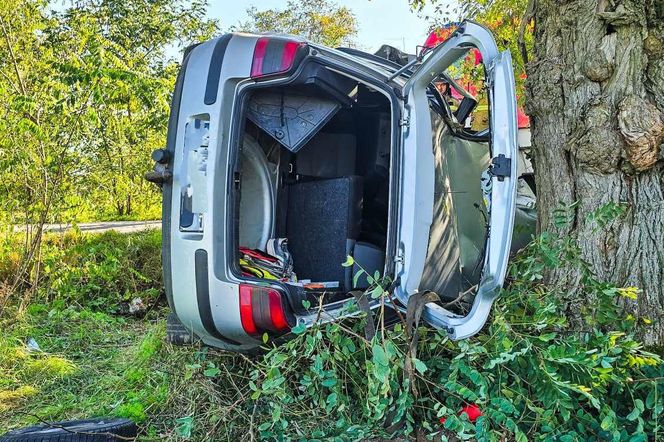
point(330, 84)
point(501, 167)
point(394, 55)
point(260, 306)
point(87, 430)
point(465, 109)
point(158, 177)
point(298, 294)
point(161, 156)
point(214, 73)
point(290, 118)
point(176, 333)
point(203, 296)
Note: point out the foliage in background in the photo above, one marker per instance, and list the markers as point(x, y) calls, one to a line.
point(99, 271)
point(535, 374)
point(84, 94)
point(502, 17)
point(84, 97)
point(321, 21)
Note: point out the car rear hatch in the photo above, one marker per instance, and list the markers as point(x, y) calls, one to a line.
point(418, 177)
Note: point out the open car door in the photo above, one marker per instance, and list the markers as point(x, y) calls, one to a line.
point(418, 195)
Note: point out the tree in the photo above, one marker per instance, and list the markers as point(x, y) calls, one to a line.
point(84, 96)
point(321, 21)
point(131, 106)
point(595, 95)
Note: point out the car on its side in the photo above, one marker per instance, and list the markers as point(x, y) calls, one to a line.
point(284, 157)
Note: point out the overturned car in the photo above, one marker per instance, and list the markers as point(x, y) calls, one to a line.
point(285, 157)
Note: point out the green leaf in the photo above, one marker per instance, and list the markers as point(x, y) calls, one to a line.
point(357, 277)
point(329, 382)
point(520, 436)
point(184, 426)
point(376, 292)
point(546, 337)
point(650, 399)
point(379, 355)
point(211, 372)
point(607, 422)
point(349, 261)
point(299, 329)
point(634, 415)
point(419, 365)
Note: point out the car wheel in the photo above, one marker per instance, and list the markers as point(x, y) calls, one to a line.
point(176, 333)
point(88, 430)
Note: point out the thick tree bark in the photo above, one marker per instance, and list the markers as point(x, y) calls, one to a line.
point(596, 101)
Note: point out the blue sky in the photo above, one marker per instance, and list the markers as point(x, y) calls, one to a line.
point(380, 21)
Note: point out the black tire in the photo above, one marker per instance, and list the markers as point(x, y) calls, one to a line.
point(176, 333)
point(87, 430)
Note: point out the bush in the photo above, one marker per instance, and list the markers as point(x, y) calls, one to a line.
point(553, 364)
point(96, 270)
point(533, 374)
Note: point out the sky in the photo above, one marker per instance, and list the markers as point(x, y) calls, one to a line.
point(379, 21)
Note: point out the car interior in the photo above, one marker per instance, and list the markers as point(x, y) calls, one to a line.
point(312, 184)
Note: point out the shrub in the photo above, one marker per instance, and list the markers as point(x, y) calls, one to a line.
point(534, 374)
point(97, 270)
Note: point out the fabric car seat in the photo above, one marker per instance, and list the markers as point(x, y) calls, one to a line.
point(323, 222)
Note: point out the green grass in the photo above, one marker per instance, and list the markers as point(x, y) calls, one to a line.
point(98, 271)
point(95, 360)
point(96, 364)
point(531, 373)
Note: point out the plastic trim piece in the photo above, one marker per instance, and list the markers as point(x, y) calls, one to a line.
point(203, 296)
point(214, 73)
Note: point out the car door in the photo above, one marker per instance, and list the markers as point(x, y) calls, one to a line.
point(418, 195)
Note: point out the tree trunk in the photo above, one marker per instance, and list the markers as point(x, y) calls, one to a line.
point(596, 101)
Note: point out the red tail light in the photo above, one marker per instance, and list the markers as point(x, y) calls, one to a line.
point(274, 55)
point(246, 312)
point(277, 311)
point(261, 310)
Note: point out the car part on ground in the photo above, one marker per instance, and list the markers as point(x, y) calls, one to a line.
point(86, 430)
point(177, 333)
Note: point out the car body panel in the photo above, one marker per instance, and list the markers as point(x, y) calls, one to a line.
point(199, 257)
point(416, 215)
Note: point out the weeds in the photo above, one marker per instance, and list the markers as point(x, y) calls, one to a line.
point(531, 373)
point(99, 271)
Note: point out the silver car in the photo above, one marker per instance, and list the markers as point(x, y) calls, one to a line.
point(284, 157)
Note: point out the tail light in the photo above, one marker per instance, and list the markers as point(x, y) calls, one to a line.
point(262, 310)
point(274, 55)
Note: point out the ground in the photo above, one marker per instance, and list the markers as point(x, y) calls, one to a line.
point(74, 351)
point(96, 364)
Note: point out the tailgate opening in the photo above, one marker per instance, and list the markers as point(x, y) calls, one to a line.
point(312, 185)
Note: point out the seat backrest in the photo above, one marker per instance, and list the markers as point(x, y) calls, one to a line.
point(323, 223)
